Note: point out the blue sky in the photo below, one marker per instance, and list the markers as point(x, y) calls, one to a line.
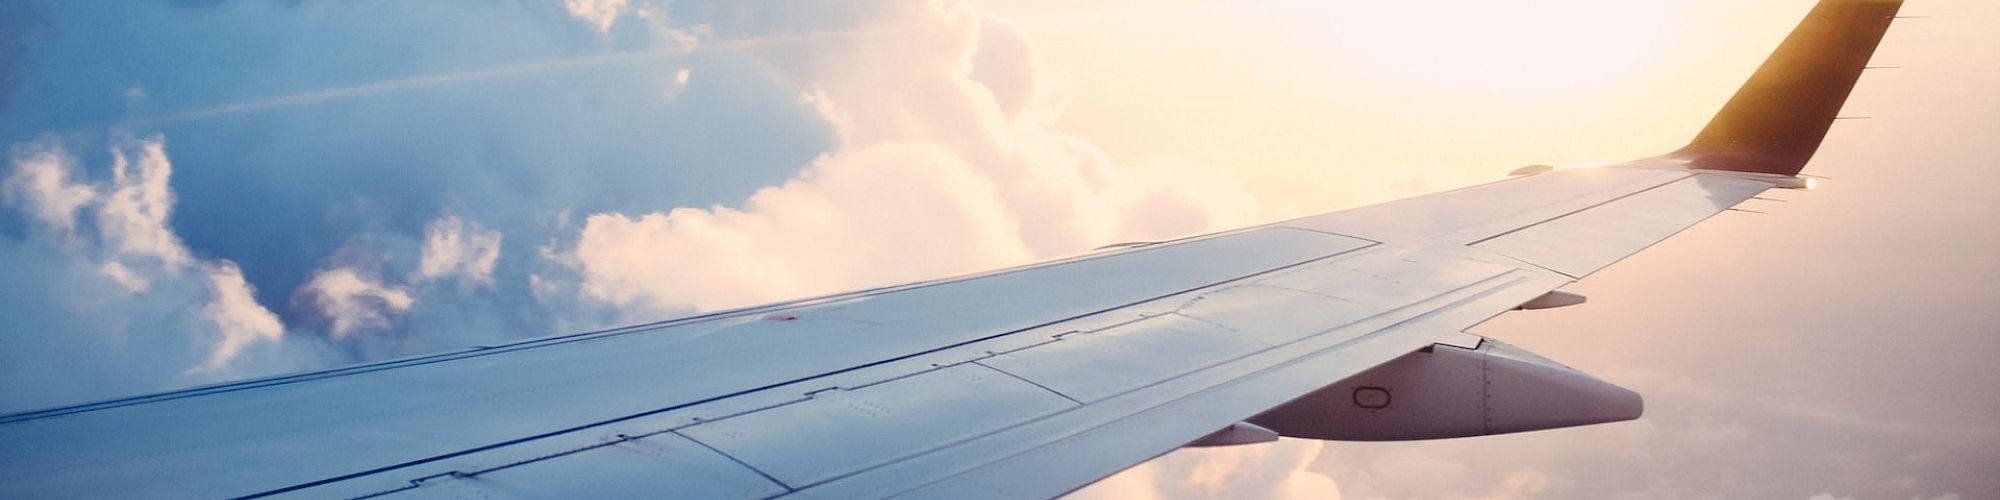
point(285, 191)
point(365, 180)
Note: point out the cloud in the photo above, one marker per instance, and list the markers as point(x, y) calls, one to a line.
point(133, 240)
point(943, 166)
point(366, 218)
point(1138, 483)
point(40, 185)
point(236, 314)
point(454, 247)
point(598, 13)
point(133, 213)
point(805, 147)
point(1280, 470)
point(352, 300)
point(1526, 483)
point(877, 215)
point(107, 298)
point(1707, 434)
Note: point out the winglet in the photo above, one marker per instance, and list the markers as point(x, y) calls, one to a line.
point(1775, 123)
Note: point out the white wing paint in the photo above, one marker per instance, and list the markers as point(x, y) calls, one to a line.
point(1025, 382)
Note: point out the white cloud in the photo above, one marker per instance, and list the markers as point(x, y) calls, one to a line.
point(601, 14)
point(351, 300)
point(935, 173)
point(236, 313)
point(1827, 496)
point(455, 247)
point(130, 281)
point(663, 30)
point(133, 247)
point(133, 214)
point(885, 213)
point(40, 186)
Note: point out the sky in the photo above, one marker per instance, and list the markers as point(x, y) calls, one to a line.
point(196, 191)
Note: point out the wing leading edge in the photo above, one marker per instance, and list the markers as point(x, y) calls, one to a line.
point(1022, 382)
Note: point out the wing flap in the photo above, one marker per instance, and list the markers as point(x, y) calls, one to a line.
point(1049, 456)
point(842, 431)
point(666, 465)
point(1089, 366)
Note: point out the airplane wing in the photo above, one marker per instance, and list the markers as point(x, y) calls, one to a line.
point(1024, 382)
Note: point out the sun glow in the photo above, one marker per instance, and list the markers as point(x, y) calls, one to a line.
point(1547, 44)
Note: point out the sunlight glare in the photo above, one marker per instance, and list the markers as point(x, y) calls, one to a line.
point(1549, 44)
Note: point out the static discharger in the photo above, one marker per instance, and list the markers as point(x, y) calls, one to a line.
point(1552, 300)
point(1532, 170)
point(1235, 434)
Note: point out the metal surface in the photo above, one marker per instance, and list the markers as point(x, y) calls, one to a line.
point(1447, 392)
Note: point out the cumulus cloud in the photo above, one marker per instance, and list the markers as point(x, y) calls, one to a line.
point(454, 247)
point(352, 300)
point(888, 212)
point(133, 213)
point(128, 285)
point(943, 165)
point(40, 185)
point(133, 240)
point(236, 314)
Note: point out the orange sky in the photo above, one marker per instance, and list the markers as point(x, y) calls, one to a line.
point(1426, 95)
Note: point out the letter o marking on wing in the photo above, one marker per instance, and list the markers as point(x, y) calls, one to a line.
point(1371, 397)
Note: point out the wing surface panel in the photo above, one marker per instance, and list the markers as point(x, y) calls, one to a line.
point(840, 431)
point(1237, 296)
point(1496, 206)
point(361, 422)
point(1066, 450)
point(1582, 242)
point(1208, 329)
point(661, 465)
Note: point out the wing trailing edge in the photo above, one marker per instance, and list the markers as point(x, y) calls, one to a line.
point(1776, 121)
